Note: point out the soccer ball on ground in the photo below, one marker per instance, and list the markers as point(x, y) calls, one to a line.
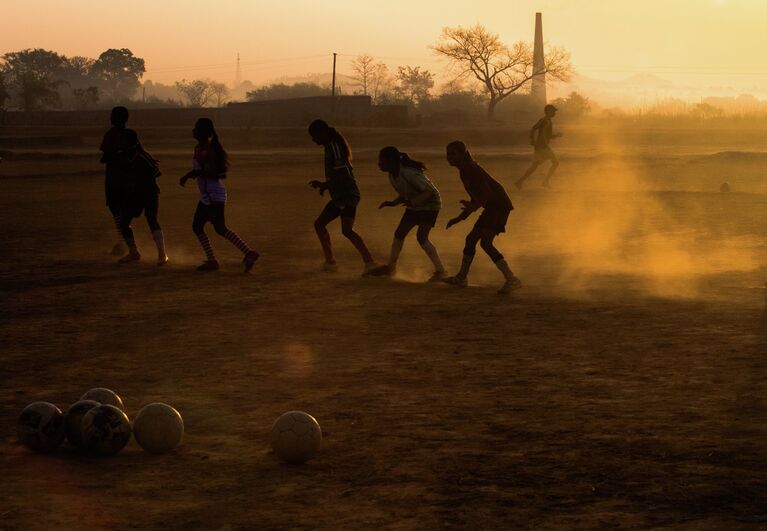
point(106, 430)
point(158, 428)
point(103, 395)
point(73, 421)
point(296, 437)
point(40, 427)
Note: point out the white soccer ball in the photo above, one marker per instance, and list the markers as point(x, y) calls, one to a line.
point(158, 428)
point(102, 395)
point(106, 430)
point(40, 427)
point(73, 421)
point(296, 437)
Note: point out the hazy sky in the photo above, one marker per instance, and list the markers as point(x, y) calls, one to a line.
point(693, 42)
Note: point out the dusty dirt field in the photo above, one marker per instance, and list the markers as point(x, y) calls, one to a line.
point(623, 386)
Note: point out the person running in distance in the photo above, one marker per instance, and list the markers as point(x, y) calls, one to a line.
point(112, 149)
point(422, 204)
point(541, 148)
point(141, 193)
point(344, 194)
point(486, 193)
point(209, 167)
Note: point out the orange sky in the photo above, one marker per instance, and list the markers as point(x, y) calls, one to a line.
point(698, 43)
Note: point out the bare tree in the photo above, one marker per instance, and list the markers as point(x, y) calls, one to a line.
point(220, 92)
point(500, 69)
point(364, 67)
point(380, 82)
point(198, 92)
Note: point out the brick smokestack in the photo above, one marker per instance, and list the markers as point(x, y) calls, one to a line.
point(538, 89)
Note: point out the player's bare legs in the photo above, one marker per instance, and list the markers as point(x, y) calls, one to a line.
point(521, 181)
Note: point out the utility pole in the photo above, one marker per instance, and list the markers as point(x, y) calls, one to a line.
point(333, 90)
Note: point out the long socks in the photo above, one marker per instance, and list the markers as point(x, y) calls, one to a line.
point(396, 248)
point(327, 248)
point(431, 252)
point(237, 241)
point(463, 273)
point(205, 242)
point(359, 244)
point(159, 240)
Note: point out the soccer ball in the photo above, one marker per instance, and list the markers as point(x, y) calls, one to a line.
point(103, 395)
point(296, 437)
point(158, 428)
point(106, 430)
point(73, 421)
point(41, 427)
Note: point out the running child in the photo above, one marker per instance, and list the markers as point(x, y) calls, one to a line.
point(422, 204)
point(344, 194)
point(113, 147)
point(541, 149)
point(209, 167)
point(141, 193)
point(488, 194)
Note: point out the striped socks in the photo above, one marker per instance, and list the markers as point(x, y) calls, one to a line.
point(205, 242)
point(237, 241)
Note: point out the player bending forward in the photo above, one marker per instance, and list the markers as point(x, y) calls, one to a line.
point(486, 193)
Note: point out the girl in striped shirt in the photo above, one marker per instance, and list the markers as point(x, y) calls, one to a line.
point(209, 167)
point(344, 194)
point(422, 204)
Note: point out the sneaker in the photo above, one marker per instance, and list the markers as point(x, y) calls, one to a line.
point(383, 271)
point(330, 267)
point(208, 265)
point(461, 282)
point(162, 260)
point(133, 256)
point(369, 268)
point(437, 276)
point(510, 285)
point(118, 249)
point(250, 260)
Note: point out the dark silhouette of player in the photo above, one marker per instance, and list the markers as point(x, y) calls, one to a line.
point(540, 136)
point(488, 194)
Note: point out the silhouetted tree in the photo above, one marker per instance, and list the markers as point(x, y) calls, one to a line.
point(500, 69)
point(86, 97)
point(573, 106)
point(198, 92)
point(32, 77)
point(120, 71)
point(220, 92)
point(380, 82)
point(364, 67)
point(414, 84)
point(277, 91)
point(3, 91)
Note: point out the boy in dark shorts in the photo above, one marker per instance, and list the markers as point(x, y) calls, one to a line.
point(113, 148)
point(488, 194)
point(541, 148)
point(141, 194)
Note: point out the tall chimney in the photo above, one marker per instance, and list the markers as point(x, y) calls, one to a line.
point(538, 89)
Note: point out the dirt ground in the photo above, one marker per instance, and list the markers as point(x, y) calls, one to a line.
point(623, 386)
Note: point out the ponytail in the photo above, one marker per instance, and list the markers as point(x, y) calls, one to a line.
point(222, 157)
point(392, 153)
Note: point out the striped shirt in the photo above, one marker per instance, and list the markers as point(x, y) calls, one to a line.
point(212, 190)
point(411, 182)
